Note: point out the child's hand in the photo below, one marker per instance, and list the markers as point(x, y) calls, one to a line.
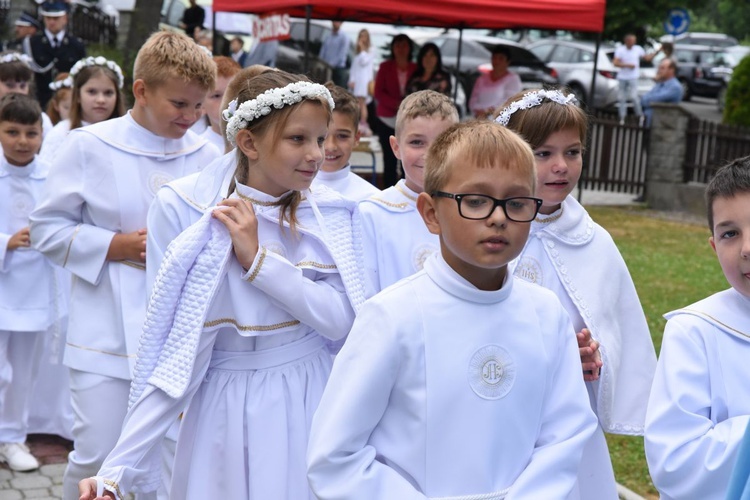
point(128, 246)
point(239, 218)
point(20, 239)
point(591, 358)
point(87, 490)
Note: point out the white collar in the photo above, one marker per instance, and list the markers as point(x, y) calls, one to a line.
point(59, 37)
point(449, 280)
point(340, 174)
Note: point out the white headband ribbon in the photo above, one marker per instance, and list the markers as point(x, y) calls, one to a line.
point(239, 117)
point(531, 99)
point(96, 61)
point(15, 56)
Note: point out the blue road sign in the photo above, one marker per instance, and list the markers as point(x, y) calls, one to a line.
point(678, 21)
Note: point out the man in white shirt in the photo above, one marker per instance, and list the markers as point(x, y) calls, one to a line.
point(628, 59)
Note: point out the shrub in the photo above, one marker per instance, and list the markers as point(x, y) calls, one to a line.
point(737, 104)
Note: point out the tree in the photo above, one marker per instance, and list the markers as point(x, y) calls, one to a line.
point(144, 21)
point(641, 18)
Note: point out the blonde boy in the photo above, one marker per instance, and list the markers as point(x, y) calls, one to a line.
point(459, 381)
point(395, 239)
point(92, 222)
point(343, 137)
point(700, 400)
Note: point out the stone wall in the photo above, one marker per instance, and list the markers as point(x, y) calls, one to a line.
point(665, 185)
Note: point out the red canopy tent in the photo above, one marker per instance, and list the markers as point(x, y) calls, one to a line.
point(574, 15)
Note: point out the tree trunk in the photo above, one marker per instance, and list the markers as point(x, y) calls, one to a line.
point(144, 21)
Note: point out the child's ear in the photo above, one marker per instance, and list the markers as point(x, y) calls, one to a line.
point(394, 146)
point(139, 91)
point(246, 142)
point(426, 207)
point(357, 137)
point(712, 242)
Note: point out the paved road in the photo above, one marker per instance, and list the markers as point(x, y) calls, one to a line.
point(703, 107)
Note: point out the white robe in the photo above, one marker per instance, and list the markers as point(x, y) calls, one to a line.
point(395, 240)
point(33, 297)
point(100, 184)
point(261, 362)
point(444, 390)
point(576, 258)
point(700, 401)
point(346, 182)
point(214, 138)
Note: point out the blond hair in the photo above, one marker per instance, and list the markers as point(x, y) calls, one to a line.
point(167, 54)
point(272, 123)
point(537, 123)
point(427, 103)
point(479, 143)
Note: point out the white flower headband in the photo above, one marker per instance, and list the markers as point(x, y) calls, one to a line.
point(531, 99)
point(239, 118)
point(15, 56)
point(96, 61)
point(65, 83)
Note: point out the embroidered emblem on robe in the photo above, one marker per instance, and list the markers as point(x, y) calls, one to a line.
point(22, 204)
point(528, 269)
point(492, 372)
point(157, 179)
point(421, 254)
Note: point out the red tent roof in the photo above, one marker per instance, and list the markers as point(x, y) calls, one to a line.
point(574, 15)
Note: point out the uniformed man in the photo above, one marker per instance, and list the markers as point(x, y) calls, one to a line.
point(25, 26)
point(54, 50)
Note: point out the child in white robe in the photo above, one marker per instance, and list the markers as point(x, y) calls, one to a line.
point(92, 222)
point(265, 306)
point(31, 299)
point(96, 96)
point(700, 401)
point(459, 381)
point(226, 69)
point(395, 240)
point(343, 137)
point(576, 258)
point(58, 107)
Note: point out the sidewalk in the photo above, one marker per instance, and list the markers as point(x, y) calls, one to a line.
point(42, 484)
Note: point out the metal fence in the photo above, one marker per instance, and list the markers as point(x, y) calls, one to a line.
point(616, 156)
point(90, 24)
point(711, 145)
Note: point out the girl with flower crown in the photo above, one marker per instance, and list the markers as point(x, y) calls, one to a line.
point(576, 258)
point(97, 96)
point(247, 300)
point(16, 77)
point(58, 107)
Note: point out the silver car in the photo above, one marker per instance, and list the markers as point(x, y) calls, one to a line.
point(574, 63)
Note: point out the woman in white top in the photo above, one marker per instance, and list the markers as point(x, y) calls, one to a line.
point(362, 78)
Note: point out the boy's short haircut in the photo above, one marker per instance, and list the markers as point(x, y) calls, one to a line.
point(730, 180)
point(15, 71)
point(537, 123)
point(226, 67)
point(19, 108)
point(426, 103)
point(167, 54)
point(345, 103)
point(480, 143)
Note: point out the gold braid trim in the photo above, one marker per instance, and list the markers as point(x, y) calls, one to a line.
point(310, 263)
point(114, 486)
point(391, 204)
point(257, 268)
point(549, 219)
point(250, 328)
point(400, 190)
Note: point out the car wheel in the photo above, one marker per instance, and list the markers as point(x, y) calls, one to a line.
point(686, 93)
point(580, 93)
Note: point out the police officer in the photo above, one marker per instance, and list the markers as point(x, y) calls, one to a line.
point(25, 27)
point(54, 50)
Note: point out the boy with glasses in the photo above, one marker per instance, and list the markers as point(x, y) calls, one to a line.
point(459, 381)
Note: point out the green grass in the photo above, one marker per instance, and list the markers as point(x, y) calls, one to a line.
point(672, 265)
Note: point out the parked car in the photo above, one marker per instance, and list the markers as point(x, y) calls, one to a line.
point(710, 39)
point(476, 56)
point(702, 70)
point(574, 63)
point(291, 52)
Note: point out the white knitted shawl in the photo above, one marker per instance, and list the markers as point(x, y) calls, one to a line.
point(189, 277)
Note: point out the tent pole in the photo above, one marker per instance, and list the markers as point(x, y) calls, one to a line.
point(214, 38)
point(308, 15)
point(458, 66)
point(592, 90)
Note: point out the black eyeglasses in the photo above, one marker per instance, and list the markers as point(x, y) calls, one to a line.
point(480, 206)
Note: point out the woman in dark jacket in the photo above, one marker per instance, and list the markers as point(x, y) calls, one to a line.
point(429, 74)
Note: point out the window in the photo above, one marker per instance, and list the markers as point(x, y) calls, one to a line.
point(542, 51)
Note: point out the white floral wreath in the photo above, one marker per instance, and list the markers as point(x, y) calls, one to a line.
point(531, 99)
point(15, 56)
point(65, 83)
point(96, 61)
point(239, 117)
